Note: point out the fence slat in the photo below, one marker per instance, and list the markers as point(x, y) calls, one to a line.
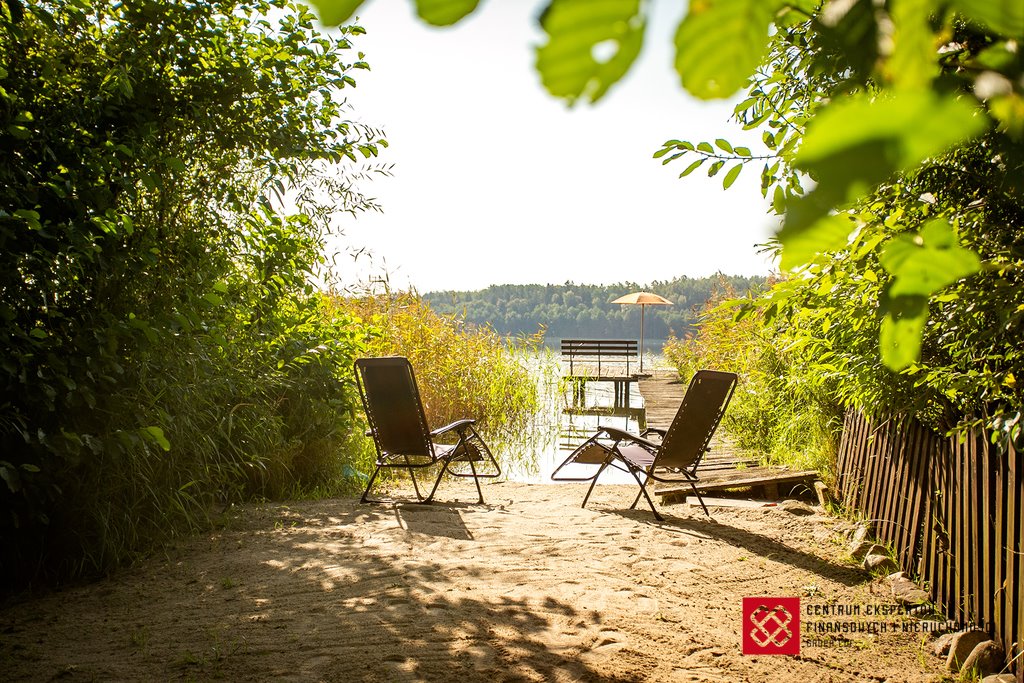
point(953, 510)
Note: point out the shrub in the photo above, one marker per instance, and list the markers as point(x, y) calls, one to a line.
point(165, 352)
point(779, 410)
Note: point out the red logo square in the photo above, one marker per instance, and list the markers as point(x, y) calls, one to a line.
point(771, 626)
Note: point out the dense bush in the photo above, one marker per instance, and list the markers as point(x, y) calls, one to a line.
point(781, 410)
point(904, 260)
point(164, 350)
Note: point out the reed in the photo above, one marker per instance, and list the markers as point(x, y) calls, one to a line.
point(780, 411)
point(462, 370)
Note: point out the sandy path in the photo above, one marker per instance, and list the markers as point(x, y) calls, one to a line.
point(528, 587)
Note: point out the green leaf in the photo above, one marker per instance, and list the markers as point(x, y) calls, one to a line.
point(779, 200)
point(157, 435)
point(20, 132)
point(336, 12)
point(10, 477)
point(913, 62)
point(444, 12)
point(175, 164)
point(720, 43)
point(724, 145)
point(706, 147)
point(800, 247)
point(923, 263)
point(1002, 16)
point(731, 176)
point(692, 167)
point(901, 330)
point(590, 46)
point(854, 144)
point(908, 127)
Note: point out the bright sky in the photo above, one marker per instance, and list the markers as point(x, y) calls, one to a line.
point(496, 182)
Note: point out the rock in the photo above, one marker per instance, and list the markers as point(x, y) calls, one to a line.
point(941, 645)
point(863, 532)
point(961, 646)
point(1000, 678)
point(795, 507)
point(986, 658)
point(905, 591)
point(859, 549)
point(877, 559)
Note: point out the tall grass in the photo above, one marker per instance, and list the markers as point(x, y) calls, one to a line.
point(463, 371)
point(780, 410)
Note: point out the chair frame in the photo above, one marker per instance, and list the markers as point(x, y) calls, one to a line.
point(469, 447)
point(636, 455)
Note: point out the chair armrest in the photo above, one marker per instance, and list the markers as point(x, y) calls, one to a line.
point(656, 430)
point(621, 435)
point(458, 424)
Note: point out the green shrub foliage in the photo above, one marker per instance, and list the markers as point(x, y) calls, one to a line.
point(904, 260)
point(782, 411)
point(164, 352)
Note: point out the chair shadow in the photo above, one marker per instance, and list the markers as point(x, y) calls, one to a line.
point(756, 544)
point(434, 519)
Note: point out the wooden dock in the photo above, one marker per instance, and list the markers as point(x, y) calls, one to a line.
point(724, 467)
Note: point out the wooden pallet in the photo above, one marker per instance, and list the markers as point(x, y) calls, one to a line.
point(766, 481)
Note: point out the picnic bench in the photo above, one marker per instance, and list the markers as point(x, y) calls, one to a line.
point(601, 360)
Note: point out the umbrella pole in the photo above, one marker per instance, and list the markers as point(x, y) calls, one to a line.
point(642, 307)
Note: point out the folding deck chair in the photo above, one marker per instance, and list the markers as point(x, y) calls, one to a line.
point(399, 429)
point(676, 457)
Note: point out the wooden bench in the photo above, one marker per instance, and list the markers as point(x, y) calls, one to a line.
point(597, 358)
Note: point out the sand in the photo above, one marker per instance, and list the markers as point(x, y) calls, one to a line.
point(527, 587)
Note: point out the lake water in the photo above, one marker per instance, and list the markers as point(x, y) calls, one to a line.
point(569, 417)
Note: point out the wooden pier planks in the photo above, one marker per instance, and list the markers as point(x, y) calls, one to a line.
point(724, 467)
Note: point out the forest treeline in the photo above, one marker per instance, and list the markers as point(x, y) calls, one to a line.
point(579, 310)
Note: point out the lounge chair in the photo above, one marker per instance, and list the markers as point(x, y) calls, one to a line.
point(400, 434)
point(672, 459)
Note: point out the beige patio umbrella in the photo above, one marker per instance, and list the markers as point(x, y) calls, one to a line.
point(643, 299)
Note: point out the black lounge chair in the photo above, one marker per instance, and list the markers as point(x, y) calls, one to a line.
point(676, 456)
point(399, 429)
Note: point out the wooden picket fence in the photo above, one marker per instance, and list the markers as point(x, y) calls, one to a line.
point(952, 510)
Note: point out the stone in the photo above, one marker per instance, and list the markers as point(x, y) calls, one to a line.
point(905, 591)
point(858, 549)
point(961, 646)
point(795, 507)
point(864, 531)
point(941, 645)
point(986, 658)
point(877, 560)
point(999, 678)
